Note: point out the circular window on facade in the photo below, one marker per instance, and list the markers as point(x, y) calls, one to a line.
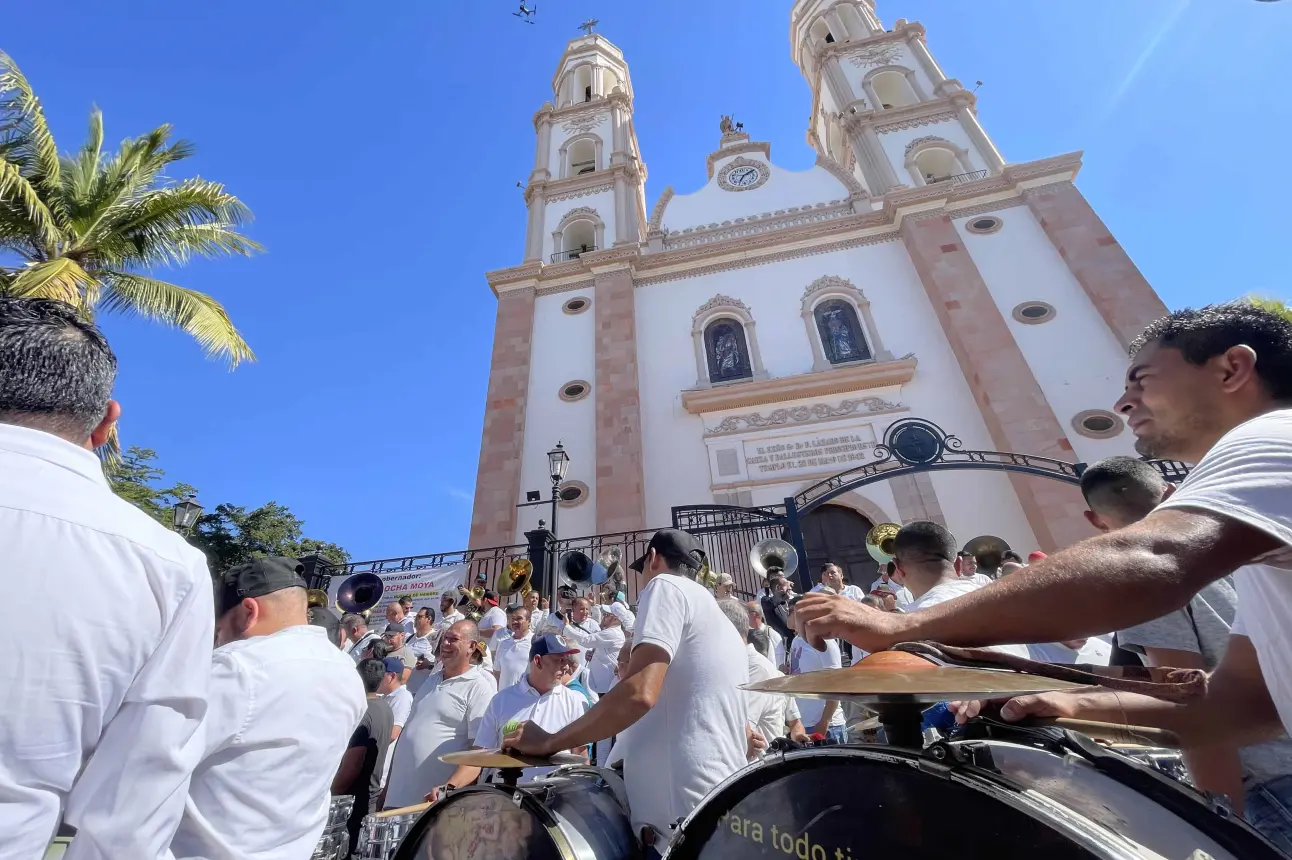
point(1034, 313)
point(576, 306)
point(576, 390)
point(571, 493)
point(1098, 424)
point(987, 224)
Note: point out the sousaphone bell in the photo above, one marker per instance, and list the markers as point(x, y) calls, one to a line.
point(360, 592)
point(774, 556)
point(516, 577)
point(575, 566)
point(879, 542)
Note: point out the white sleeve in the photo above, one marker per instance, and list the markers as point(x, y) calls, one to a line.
point(661, 617)
point(401, 707)
point(833, 655)
point(129, 799)
point(488, 733)
point(791, 710)
point(1245, 477)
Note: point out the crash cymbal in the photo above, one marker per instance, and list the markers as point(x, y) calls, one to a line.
point(502, 760)
point(909, 684)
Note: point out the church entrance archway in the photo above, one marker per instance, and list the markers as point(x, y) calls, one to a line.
point(838, 534)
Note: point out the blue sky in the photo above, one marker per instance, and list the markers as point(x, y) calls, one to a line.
point(379, 145)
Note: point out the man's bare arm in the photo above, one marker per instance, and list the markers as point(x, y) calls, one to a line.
point(1108, 582)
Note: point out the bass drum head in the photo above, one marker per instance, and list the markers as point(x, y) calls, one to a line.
point(854, 804)
point(479, 823)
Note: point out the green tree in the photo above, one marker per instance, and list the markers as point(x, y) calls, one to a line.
point(89, 228)
point(1273, 305)
point(135, 478)
point(231, 534)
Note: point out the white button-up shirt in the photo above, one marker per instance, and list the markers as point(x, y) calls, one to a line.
point(100, 702)
point(768, 713)
point(446, 715)
point(283, 708)
point(512, 659)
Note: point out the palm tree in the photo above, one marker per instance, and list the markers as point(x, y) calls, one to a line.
point(89, 228)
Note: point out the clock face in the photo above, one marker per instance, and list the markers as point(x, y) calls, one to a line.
point(743, 177)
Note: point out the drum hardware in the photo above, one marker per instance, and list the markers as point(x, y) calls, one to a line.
point(773, 556)
point(879, 542)
point(382, 832)
point(360, 592)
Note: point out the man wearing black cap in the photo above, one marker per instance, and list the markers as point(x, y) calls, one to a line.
point(681, 693)
point(283, 704)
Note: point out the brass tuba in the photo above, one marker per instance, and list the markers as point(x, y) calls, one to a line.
point(360, 592)
point(316, 597)
point(516, 577)
point(879, 542)
point(773, 555)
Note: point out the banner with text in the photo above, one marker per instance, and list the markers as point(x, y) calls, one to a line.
point(424, 586)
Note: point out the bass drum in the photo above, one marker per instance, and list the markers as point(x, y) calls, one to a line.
point(573, 813)
point(996, 799)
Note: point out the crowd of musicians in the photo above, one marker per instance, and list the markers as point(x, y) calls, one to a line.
point(118, 718)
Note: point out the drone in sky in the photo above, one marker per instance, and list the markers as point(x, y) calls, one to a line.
point(526, 13)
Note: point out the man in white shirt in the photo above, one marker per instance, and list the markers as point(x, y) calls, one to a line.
point(1212, 387)
point(820, 716)
point(513, 651)
point(901, 594)
point(580, 627)
point(967, 569)
point(358, 635)
point(832, 578)
point(445, 718)
point(540, 698)
point(400, 700)
point(420, 642)
point(406, 606)
point(284, 703)
point(115, 682)
point(774, 650)
point(681, 695)
point(536, 616)
point(493, 621)
point(771, 715)
point(603, 649)
point(395, 616)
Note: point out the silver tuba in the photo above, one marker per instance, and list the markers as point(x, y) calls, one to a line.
point(773, 555)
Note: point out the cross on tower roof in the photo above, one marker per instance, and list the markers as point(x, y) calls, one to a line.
point(588, 25)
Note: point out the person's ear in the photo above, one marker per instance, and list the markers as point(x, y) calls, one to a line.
point(1237, 366)
point(1094, 520)
point(99, 435)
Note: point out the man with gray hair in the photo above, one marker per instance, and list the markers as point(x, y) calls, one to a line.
point(763, 636)
point(770, 716)
point(128, 690)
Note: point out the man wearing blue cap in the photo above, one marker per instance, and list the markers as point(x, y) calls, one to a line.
point(541, 697)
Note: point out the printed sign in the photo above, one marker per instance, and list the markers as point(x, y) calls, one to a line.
point(767, 457)
point(424, 586)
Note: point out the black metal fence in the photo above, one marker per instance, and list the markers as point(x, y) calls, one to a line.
point(729, 533)
point(631, 546)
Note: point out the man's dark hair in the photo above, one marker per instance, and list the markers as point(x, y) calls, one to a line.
point(891, 568)
point(429, 612)
point(371, 672)
point(1203, 334)
point(924, 541)
point(512, 610)
point(406, 600)
point(1010, 555)
point(56, 369)
point(490, 595)
point(380, 650)
point(828, 565)
point(1128, 486)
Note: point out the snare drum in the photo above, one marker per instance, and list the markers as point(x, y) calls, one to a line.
point(983, 798)
point(573, 813)
point(382, 832)
point(335, 841)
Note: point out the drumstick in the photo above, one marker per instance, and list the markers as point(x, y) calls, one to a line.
point(403, 810)
point(1113, 732)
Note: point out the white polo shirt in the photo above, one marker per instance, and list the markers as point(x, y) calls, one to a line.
point(494, 617)
point(605, 646)
point(950, 589)
point(446, 715)
point(805, 658)
point(552, 711)
point(768, 712)
point(512, 659)
point(283, 708)
point(112, 686)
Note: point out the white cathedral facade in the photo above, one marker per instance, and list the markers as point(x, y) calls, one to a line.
point(739, 342)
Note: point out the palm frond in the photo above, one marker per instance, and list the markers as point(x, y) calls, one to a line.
point(149, 221)
point(195, 313)
point(16, 190)
point(35, 151)
point(60, 279)
point(81, 172)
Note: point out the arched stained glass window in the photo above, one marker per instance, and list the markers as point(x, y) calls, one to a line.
point(842, 339)
point(727, 350)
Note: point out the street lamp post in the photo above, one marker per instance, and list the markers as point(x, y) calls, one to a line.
point(558, 464)
point(185, 514)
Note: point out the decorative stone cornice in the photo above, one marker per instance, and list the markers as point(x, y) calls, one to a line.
point(832, 282)
point(572, 286)
point(855, 188)
point(816, 236)
point(656, 224)
point(814, 414)
point(920, 141)
point(768, 222)
point(914, 116)
point(718, 301)
point(902, 31)
point(739, 149)
point(840, 380)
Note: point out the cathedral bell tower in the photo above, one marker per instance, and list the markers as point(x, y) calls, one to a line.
point(868, 82)
point(587, 151)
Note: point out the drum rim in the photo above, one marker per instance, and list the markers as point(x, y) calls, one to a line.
point(1001, 788)
point(528, 802)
